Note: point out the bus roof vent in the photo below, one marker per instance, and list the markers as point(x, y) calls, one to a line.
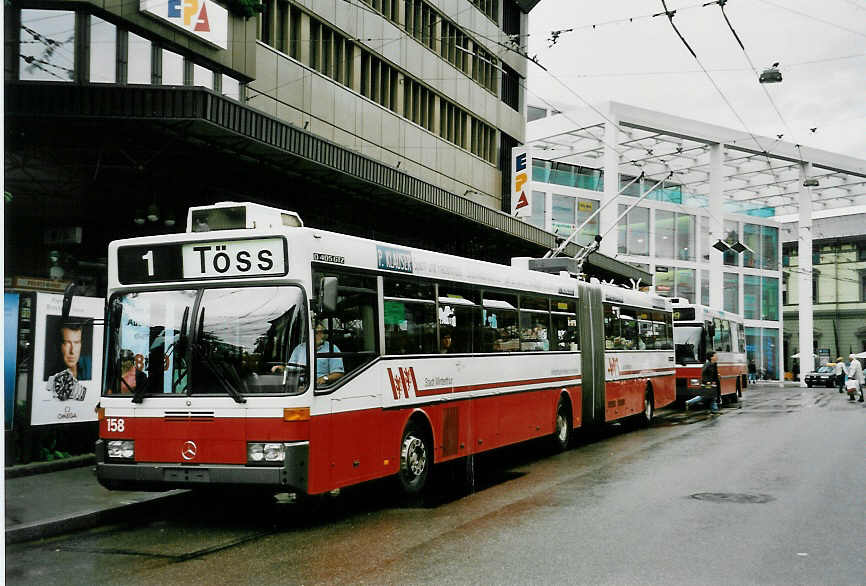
point(230, 215)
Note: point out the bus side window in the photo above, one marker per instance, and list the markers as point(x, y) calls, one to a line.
point(534, 324)
point(726, 336)
point(563, 319)
point(459, 314)
point(499, 322)
point(628, 324)
point(741, 338)
point(717, 335)
point(351, 331)
point(663, 326)
point(612, 332)
point(410, 327)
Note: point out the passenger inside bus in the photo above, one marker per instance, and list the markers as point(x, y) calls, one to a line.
point(131, 378)
point(445, 343)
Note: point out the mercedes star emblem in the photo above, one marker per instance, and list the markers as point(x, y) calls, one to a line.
point(189, 450)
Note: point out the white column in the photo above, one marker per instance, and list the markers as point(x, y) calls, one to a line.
point(608, 215)
point(716, 226)
point(804, 279)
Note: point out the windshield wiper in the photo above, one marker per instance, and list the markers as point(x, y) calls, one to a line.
point(140, 390)
point(211, 365)
point(220, 376)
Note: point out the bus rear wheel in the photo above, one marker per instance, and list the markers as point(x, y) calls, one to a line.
point(646, 416)
point(416, 459)
point(562, 427)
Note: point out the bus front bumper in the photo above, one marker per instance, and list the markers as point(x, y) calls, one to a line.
point(118, 475)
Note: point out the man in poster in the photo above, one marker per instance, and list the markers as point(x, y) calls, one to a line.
point(65, 385)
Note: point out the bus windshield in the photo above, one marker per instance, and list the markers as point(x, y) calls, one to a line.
point(687, 344)
point(235, 340)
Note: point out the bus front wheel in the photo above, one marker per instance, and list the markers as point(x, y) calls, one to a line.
point(416, 458)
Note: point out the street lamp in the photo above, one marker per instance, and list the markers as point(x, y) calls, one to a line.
point(771, 75)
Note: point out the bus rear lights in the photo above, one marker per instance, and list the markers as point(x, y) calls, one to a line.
point(266, 452)
point(296, 414)
point(123, 449)
point(694, 383)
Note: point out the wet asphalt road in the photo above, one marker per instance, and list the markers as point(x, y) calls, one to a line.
point(770, 492)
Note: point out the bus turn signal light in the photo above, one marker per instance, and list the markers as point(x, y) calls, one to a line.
point(100, 413)
point(296, 414)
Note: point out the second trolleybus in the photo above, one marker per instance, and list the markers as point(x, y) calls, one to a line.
point(251, 350)
point(699, 329)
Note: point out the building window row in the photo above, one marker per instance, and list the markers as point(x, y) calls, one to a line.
point(762, 243)
point(334, 55)
point(568, 175)
point(419, 105)
point(489, 7)
point(47, 47)
point(484, 70)
point(390, 9)
point(452, 123)
point(451, 43)
point(454, 47)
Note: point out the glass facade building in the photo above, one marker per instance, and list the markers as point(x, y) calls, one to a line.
point(668, 234)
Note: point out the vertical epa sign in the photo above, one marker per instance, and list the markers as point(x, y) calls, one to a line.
point(521, 187)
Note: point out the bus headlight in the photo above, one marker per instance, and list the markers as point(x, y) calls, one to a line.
point(123, 449)
point(266, 452)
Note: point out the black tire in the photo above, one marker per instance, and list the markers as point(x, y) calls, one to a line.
point(416, 459)
point(562, 427)
point(736, 396)
point(808, 384)
point(646, 416)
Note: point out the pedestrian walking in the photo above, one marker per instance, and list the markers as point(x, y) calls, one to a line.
point(710, 384)
point(855, 372)
point(839, 372)
point(753, 371)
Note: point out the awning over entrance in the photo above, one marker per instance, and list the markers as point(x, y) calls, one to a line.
point(110, 149)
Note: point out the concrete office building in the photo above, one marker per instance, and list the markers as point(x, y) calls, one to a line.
point(392, 119)
point(838, 286)
point(709, 229)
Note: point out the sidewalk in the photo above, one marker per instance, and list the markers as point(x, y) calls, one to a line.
point(46, 499)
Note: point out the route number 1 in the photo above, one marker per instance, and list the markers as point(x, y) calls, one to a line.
point(148, 257)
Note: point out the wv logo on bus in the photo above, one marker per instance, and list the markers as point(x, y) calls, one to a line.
point(613, 366)
point(403, 379)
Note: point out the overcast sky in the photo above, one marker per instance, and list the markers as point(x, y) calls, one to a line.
point(821, 47)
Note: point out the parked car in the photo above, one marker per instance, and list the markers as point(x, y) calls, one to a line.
point(823, 377)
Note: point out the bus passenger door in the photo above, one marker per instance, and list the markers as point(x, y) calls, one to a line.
point(354, 433)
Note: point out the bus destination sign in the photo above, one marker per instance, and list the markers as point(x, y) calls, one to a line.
point(218, 259)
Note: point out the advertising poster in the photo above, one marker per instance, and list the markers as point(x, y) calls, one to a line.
point(10, 354)
point(67, 360)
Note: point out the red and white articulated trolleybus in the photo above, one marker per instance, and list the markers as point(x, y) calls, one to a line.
point(252, 350)
point(699, 329)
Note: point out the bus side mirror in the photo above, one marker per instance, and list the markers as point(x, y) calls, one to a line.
point(327, 300)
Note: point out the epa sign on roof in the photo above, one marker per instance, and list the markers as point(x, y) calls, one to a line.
point(204, 19)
